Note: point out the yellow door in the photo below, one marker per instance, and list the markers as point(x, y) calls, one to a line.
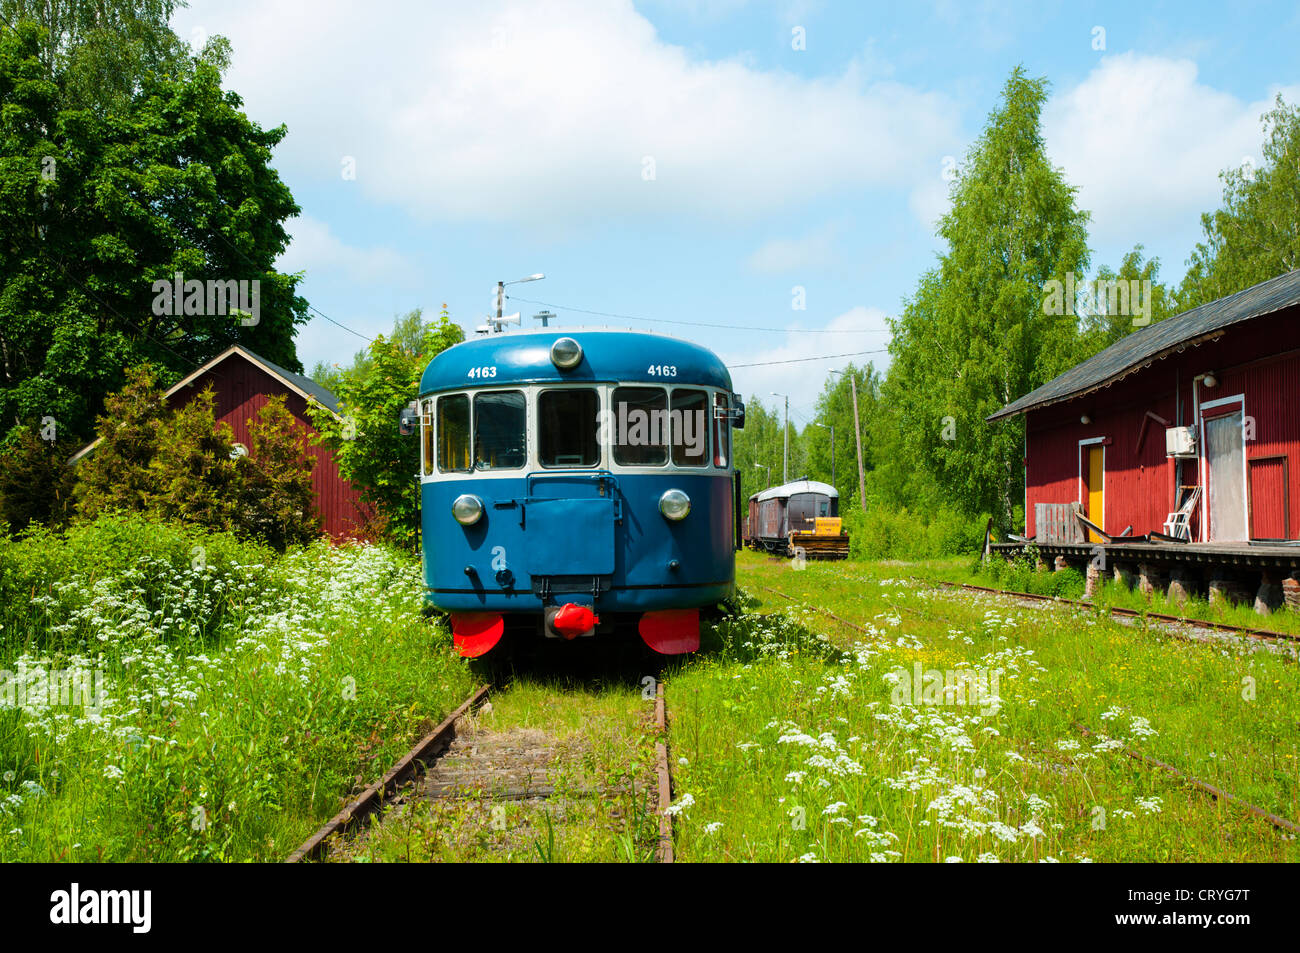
point(1096, 498)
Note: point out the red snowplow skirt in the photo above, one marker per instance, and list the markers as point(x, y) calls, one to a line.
point(671, 631)
point(475, 633)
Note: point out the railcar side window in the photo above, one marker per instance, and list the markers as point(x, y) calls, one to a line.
point(499, 430)
point(569, 428)
point(426, 425)
point(721, 431)
point(640, 426)
point(453, 433)
point(690, 423)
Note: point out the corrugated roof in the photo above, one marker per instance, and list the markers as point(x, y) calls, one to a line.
point(1159, 340)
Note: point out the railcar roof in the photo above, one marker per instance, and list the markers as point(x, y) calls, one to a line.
point(1135, 351)
point(524, 357)
point(796, 486)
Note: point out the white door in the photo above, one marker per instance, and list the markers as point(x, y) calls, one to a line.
point(1224, 458)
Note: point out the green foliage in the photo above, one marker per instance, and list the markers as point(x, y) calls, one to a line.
point(96, 204)
point(976, 335)
point(35, 479)
point(1253, 237)
point(278, 501)
point(183, 466)
point(370, 452)
point(889, 532)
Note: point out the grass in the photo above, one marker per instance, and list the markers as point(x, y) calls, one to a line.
point(245, 696)
point(800, 744)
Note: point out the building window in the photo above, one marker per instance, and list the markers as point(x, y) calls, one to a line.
point(453, 433)
point(499, 430)
point(690, 424)
point(568, 428)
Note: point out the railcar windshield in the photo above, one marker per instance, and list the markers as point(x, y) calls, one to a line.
point(569, 428)
point(640, 426)
point(453, 433)
point(499, 430)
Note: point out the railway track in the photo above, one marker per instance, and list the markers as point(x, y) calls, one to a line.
point(1246, 632)
point(1219, 794)
point(447, 766)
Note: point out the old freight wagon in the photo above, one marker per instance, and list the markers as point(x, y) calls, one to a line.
point(242, 382)
point(1182, 436)
point(803, 514)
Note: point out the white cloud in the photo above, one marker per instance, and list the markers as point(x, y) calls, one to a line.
point(1145, 142)
point(803, 380)
point(517, 111)
point(815, 250)
point(315, 249)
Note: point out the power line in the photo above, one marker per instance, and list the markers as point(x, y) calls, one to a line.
point(801, 360)
point(701, 324)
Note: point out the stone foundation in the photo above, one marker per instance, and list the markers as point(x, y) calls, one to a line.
point(1227, 590)
point(1150, 579)
point(1269, 595)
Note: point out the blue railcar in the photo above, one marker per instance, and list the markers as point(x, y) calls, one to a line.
point(577, 484)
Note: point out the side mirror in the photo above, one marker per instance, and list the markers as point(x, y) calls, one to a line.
point(408, 421)
point(737, 412)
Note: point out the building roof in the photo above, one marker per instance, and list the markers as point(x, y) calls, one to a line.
point(1157, 341)
point(305, 387)
point(796, 486)
point(524, 357)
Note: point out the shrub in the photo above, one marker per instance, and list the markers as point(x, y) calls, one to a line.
point(35, 481)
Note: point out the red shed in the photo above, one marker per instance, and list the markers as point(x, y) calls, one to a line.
point(241, 383)
point(1201, 405)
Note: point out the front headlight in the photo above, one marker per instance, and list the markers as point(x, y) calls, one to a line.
point(675, 505)
point(467, 509)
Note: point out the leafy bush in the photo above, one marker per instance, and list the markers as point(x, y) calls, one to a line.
point(182, 466)
point(35, 480)
point(883, 532)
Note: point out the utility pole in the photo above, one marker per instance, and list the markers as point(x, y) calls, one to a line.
point(785, 456)
point(857, 439)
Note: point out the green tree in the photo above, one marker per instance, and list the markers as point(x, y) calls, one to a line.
point(35, 479)
point(98, 205)
point(1254, 236)
point(1105, 319)
point(117, 474)
point(278, 505)
point(977, 333)
point(371, 453)
point(197, 470)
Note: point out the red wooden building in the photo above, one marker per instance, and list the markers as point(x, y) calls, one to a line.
point(242, 382)
point(1206, 399)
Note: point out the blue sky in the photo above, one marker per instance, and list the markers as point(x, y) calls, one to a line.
point(493, 140)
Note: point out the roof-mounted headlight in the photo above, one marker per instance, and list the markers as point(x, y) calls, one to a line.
point(566, 353)
point(467, 509)
point(674, 505)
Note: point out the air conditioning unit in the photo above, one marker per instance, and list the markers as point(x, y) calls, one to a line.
point(1180, 442)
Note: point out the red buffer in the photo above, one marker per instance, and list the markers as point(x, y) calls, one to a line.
point(475, 633)
point(671, 631)
point(573, 620)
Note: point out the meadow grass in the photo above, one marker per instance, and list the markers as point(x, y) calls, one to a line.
point(245, 696)
point(801, 742)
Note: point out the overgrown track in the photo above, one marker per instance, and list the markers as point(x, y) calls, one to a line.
point(1264, 634)
point(423, 772)
point(1219, 794)
point(358, 813)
